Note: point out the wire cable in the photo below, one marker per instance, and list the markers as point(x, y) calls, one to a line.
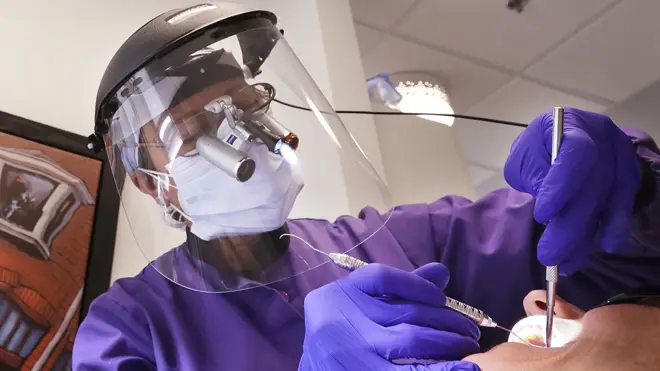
point(464, 117)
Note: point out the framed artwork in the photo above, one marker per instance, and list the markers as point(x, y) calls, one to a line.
point(58, 219)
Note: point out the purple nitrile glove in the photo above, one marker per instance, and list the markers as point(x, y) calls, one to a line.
point(379, 317)
point(586, 197)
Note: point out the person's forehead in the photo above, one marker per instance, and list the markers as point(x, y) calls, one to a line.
point(193, 105)
point(197, 101)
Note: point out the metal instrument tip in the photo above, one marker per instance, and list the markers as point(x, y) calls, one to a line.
point(550, 312)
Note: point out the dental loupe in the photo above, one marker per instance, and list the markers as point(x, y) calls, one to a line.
point(238, 131)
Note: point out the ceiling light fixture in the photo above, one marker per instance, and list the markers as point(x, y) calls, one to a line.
point(413, 92)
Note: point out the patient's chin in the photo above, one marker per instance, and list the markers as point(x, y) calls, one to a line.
point(517, 356)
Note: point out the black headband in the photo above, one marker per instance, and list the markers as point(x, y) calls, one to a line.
point(202, 71)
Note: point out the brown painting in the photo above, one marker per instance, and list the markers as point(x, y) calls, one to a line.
point(49, 221)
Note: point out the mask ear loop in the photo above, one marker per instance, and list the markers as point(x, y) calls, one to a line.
point(170, 215)
point(169, 210)
point(162, 179)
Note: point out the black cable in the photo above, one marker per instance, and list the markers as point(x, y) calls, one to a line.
point(268, 94)
point(464, 117)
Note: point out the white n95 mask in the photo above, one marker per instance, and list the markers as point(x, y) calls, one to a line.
point(218, 205)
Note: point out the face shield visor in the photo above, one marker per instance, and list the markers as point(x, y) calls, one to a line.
point(214, 166)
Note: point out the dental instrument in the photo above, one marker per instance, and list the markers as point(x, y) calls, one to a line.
point(478, 316)
point(551, 271)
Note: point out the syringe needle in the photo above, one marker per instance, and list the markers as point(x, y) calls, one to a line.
point(514, 334)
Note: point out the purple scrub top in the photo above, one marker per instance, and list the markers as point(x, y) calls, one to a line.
point(148, 322)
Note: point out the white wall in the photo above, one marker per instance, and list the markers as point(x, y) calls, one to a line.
point(344, 64)
point(325, 41)
point(641, 111)
point(422, 160)
point(54, 57)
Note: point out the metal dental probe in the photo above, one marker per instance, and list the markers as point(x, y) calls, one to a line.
point(551, 272)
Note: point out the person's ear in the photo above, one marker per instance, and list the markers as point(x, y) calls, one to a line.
point(144, 183)
point(535, 304)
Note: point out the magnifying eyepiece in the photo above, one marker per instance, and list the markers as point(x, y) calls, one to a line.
point(245, 169)
point(230, 160)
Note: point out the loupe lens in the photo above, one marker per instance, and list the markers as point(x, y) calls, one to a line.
point(245, 170)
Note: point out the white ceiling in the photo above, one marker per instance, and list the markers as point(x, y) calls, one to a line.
point(593, 54)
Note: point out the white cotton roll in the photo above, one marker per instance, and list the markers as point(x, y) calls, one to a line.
point(532, 329)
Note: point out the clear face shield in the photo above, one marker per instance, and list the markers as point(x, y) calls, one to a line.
point(213, 160)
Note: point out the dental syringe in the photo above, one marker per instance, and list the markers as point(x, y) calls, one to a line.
point(350, 263)
point(478, 316)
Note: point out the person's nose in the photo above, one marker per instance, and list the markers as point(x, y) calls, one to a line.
point(535, 304)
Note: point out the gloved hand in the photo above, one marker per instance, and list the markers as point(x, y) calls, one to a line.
point(587, 196)
point(380, 314)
